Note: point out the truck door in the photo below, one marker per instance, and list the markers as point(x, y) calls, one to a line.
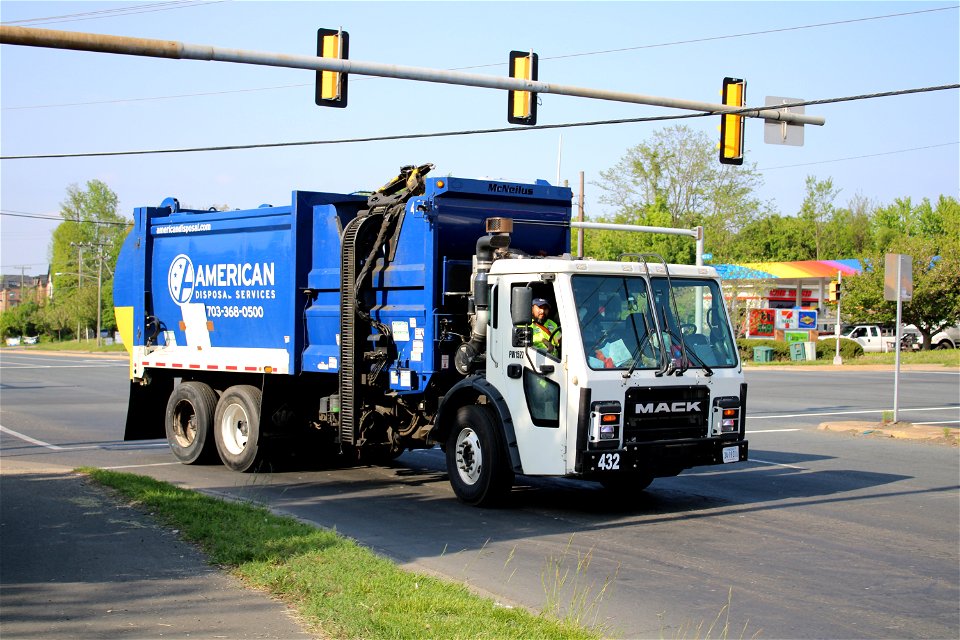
point(533, 382)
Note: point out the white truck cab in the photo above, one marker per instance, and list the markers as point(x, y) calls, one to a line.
point(646, 382)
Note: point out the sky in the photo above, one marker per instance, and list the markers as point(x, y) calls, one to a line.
point(57, 101)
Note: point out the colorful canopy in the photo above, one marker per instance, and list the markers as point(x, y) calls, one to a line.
point(794, 270)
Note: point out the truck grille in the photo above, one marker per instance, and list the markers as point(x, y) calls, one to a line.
point(665, 413)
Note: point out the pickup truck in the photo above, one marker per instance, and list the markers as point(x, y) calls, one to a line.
point(949, 338)
point(873, 338)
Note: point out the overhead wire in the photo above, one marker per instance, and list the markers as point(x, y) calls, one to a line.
point(500, 64)
point(466, 132)
point(869, 155)
point(41, 216)
point(113, 12)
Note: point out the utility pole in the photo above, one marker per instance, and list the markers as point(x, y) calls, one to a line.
point(79, 246)
point(580, 219)
point(99, 247)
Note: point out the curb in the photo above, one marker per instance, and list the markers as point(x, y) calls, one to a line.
point(896, 430)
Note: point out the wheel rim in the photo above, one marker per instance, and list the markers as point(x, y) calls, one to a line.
point(234, 428)
point(185, 424)
point(469, 456)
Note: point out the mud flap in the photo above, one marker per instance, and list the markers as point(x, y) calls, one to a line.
point(147, 409)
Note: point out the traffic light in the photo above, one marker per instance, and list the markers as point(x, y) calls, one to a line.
point(731, 127)
point(522, 105)
point(833, 291)
point(332, 85)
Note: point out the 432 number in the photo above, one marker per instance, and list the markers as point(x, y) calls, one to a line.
point(609, 461)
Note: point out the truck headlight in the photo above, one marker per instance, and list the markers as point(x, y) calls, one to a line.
point(605, 421)
point(726, 415)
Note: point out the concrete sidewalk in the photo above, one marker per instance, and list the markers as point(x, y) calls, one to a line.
point(75, 563)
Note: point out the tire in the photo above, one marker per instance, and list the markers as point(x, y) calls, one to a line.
point(189, 423)
point(944, 344)
point(237, 428)
point(477, 460)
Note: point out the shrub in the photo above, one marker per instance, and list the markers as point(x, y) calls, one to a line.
point(849, 349)
point(826, 349)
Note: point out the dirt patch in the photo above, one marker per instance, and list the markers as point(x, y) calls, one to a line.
point(898, 430)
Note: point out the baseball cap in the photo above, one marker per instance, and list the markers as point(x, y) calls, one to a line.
point(541, 302)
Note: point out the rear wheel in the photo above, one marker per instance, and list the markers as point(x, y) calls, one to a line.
point(188, 422)
point(237, 428)
point(477, 461)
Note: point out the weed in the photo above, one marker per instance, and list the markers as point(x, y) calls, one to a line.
point(570, 595)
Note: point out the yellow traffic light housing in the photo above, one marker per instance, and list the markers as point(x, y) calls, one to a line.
point(522, 105)
point(833, 291)
point(331, 88)
point(731, 126)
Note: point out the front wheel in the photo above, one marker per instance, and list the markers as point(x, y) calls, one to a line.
point(237, 428)
point(477, 462)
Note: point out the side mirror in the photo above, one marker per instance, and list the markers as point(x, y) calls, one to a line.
point(521, 306)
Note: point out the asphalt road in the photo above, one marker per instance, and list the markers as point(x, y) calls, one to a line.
point(819, 535)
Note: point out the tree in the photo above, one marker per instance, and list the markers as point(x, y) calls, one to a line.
point(817, 209)
point(88, 240)
point(674, 179)
point(935, 303)
point(21, 320)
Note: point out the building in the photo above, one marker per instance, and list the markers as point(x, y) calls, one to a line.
point(15, 289)
point(785, 285)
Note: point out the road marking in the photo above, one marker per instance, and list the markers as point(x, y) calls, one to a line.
point(139, 466)
point(85, 447)
point(26, 438)
point(7, 365)
point(940, 422)
point(777, 464)
point(772, 430)
point(845, 413)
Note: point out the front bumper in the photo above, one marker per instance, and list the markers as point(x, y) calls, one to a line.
point(662, 458)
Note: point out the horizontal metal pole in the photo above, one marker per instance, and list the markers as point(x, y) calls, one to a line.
point(634, 228)
point(179, 50)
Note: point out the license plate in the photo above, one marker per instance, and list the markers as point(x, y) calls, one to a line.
point(731, 454)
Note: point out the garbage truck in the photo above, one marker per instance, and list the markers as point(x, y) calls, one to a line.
point(359, 326)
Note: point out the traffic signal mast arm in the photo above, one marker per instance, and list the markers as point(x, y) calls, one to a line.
point(102, 43)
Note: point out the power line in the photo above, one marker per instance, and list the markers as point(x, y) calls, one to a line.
point(497, 64)
point(752, 33)
point(446, 134)
point(40, 216)
point(110, 13)
point(869, 155)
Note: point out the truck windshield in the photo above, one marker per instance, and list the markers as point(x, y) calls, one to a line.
point(619, 330)
point(700, 321)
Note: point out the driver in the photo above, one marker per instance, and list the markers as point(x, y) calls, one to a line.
point(546, 332)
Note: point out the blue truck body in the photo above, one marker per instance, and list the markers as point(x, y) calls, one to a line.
point(269, 278)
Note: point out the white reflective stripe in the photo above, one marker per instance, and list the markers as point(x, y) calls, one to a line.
point(215, 359)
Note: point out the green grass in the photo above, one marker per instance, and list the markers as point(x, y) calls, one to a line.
point(945, 357)
point(340, 589)
point(942, 357)
point(86, 346)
